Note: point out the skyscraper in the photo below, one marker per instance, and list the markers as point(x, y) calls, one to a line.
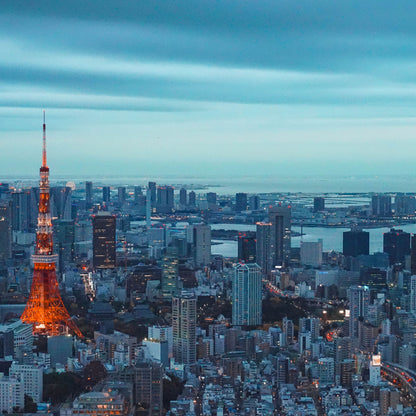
point(288, 330)
point(88, 194)
point(149, 386)
point(318, 204)
point(61, 202)
point(381, 205)
point(240, 202)
point(21, 211)
point(413, 294)
point(356, 243)
point(413, 256)
point(264, 246)
point(311, 253)
point(121, 195)
point(280, 217)
point(64, 233)
point(106, 194)
point(199, 235)
point(247, 247)
point(5, 231)
point(152, 187)
point(34, 207)
point(310, 325)
point(254, 202)
point(247, 294)
point(211, 200)
point(183, 198)
point(104, 241)
point(405, 204)
point(165, 199)
point(359, 298)
point(137, 193)
point(170, 269)
point(192, 199)
point(396, 243)
point(184, 327)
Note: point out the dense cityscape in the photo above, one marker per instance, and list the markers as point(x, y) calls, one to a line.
point(114, 300)
point(207, 208)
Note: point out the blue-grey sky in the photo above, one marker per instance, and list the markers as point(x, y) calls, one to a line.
point(209, 87)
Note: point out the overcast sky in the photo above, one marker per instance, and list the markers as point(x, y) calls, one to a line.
point(206, 87)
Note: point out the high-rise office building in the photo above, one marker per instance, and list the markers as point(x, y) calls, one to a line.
point(247, 247)
point(170, 269)
point(240, 202)
point(282, 370)
point(375, 279)
point(413, 255)
point(148, 382)
point(211, 200)
point(318, 204)
point(192, 199)
point(104, 241)
point(359, 298)
point(310, 325)
point(346, 372)
point(61, 202)
point(34, 207)
point(247, 294)
point(288, 330)
point(264, 246)
point(152, 188)
point(389, 398)
point(64, 241)
point(280, 217)
point(326, 371)
point(184, 327)
point(12, 394)
point(88, 194)
point(311, 253)
point(396, 243)
point(405, 204)
point(413, 294)
point(4, 188)
point(183, 198)
point(5, 231)
point(165, 199)
point(254, 203)
point(121, 195)
point(199, 235)
point(32, 377)
point(106, 194)
point(21, 211)
point(356, 243)
point(137, 193)
point(381, 205)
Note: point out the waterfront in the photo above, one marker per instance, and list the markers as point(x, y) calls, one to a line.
point(332, 237)
point(257, 184)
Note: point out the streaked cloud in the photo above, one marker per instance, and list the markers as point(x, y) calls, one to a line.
point(306, 80)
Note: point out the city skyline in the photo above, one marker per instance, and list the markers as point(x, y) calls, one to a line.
point(157, 88)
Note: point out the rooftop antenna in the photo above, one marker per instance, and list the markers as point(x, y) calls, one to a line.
point(44, 141)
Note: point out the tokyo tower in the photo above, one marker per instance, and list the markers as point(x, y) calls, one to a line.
point(45, 309)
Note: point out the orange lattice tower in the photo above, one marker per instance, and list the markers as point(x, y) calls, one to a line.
point(45, 309)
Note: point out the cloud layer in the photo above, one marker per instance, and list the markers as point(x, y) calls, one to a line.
point(293, 86)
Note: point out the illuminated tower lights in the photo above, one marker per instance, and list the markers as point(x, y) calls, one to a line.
point(45, 309)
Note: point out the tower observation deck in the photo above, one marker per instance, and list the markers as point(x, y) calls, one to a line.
point(45, 308)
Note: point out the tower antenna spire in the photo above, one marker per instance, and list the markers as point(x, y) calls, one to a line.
point(45, 309)
point(44, 141)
